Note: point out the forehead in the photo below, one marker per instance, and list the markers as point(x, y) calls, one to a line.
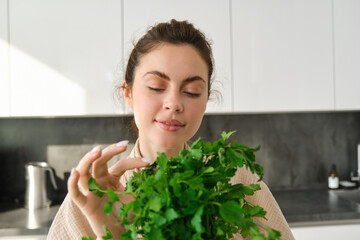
point(174, 60)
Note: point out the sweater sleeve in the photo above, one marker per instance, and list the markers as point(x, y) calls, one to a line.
point(265, 199)
point(69, 223)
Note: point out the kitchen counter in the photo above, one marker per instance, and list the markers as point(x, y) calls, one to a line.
point(16, 220)
point(300, 207)
point(316, 207)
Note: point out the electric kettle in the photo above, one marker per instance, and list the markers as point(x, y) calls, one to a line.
point(36, 195)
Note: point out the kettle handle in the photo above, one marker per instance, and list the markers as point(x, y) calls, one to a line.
point(52, 177)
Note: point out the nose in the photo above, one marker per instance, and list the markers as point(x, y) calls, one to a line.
point(173, 102)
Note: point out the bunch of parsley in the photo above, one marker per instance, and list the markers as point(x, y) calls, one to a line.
point(189, 196)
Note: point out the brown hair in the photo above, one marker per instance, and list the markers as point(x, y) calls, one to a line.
point(173, 32)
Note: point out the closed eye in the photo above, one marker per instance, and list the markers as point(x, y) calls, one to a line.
point(192, 94)
point(156, 89)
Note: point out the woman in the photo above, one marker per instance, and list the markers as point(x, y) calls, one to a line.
point(167, 84)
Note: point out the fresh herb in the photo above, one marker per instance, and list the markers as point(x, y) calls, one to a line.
point(189, 196)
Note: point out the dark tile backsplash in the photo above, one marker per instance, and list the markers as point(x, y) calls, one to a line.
point(297, 149)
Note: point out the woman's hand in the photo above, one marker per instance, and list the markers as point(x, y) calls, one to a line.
point(91, 205)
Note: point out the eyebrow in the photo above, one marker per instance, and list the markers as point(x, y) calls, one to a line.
point(166, 77)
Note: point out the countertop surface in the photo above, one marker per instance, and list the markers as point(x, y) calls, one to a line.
point(316, 207)
point(16, 220)
point(300, 208)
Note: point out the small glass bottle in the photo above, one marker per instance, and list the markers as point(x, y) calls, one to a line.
point(333, 179)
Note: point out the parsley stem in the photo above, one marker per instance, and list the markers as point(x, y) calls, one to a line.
point(214, 203)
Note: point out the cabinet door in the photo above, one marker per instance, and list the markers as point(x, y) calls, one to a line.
point(63, 56)
point(347, 54)
point(211, 17)
point(4, 60)
point(282, 55)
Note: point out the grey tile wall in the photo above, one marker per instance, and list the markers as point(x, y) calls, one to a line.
point(25, 140)
point(297, 149)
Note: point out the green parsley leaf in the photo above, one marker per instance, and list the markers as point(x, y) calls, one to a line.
point(108, 208)
point(189, 196)
point(225, 136)
point(87, 238)
point(155, 204)
point(112, 195)
point(93, 185)
point(231, 212)
point(107, 232)
point(196, 220)
point(171, 214)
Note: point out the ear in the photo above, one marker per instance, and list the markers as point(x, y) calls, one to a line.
point(127, 94)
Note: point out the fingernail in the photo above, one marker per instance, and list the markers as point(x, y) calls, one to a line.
point(147, 160)
point(122, 143)
point(72, 171)
point(96, 149)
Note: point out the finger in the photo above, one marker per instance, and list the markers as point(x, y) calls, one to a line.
point(85, 164)
point(76, 195)
point(123, 165)
point(100, 166)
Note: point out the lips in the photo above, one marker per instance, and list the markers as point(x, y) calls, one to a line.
point(170, 125)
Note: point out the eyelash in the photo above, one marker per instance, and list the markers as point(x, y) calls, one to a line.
point(156, 89)
point(194, 95)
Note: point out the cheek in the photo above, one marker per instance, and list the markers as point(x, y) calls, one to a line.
point(196, 111)
point(146, 106)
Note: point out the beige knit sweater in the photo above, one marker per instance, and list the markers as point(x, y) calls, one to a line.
point(71, 223)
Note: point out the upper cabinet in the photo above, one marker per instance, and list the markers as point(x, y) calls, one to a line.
point(347, 54)
point(64, 56)
point(211, 17)
point(4, 63)
point(282, 55)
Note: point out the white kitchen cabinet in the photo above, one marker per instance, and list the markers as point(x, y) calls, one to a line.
point(282, 55)
point(63, 56)
point(212, 17)
point(4, 61)
point(347, 54)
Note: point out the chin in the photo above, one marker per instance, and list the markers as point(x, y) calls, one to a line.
point(170, 142)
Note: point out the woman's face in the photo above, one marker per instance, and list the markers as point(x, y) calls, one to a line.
point(169, 95)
